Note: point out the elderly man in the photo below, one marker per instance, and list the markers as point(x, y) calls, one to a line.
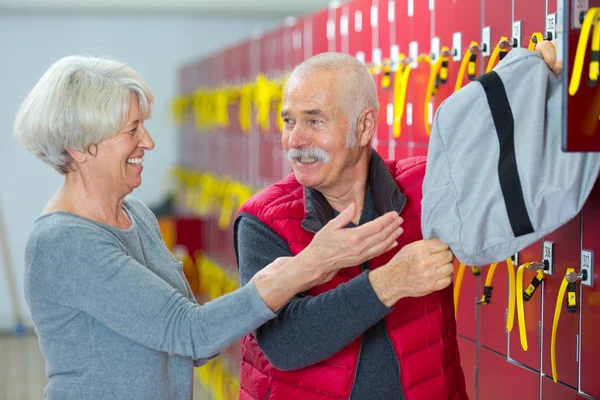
point(384, 329)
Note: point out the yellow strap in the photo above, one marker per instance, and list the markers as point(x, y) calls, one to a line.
point(557, 310)
point(435, 68)
point(496, 54)
point(536, 38)
point(511, 295)
point(399, 96)
point(590, 19)
point(463, 66)
point(444, 69)
point(594, 64)
point(520, 307)
point(459, 278)
point(488, 280)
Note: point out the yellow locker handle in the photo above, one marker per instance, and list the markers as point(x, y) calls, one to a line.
point(595, 57)
point(431, 89)
point(536, 38)
point(535, 282)
point(400, 80)
point(488, 288)
point(511, 295)
point(521, 308)
point(499, 52)
point(589, 21)
point(459, 278)
point(467, 60)
point(386, 79)
point(557, 310)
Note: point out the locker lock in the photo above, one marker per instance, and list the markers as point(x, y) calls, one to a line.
point(576, 276)
point(539, 268)
point(536, 266)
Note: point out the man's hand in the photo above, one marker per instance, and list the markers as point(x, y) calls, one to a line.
point(416, 270)
point(336, 246)
point(548, 51)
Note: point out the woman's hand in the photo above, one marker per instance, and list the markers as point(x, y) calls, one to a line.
point(336, 246)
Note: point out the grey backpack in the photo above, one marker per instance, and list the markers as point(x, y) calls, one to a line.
point(497, 179)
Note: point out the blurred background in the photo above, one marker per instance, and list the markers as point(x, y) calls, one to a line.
point(155, 37)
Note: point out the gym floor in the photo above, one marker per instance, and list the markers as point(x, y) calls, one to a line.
point(23, 370)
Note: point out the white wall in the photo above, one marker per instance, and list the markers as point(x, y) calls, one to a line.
point(154, 46)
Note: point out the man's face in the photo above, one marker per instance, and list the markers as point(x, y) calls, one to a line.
point(315, 130)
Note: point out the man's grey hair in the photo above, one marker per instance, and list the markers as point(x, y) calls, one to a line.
point(355, 86)
point(77, 103)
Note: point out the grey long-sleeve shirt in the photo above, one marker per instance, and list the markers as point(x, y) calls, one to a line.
point(310, 329)
point(114, 314)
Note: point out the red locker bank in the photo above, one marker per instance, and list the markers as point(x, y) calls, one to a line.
point(406, 44)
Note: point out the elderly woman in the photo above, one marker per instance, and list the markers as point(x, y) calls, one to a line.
point(115, 316)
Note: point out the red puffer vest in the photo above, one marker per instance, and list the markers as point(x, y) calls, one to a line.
point(422, 330)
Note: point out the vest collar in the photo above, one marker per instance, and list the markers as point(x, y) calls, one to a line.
point(384, 191)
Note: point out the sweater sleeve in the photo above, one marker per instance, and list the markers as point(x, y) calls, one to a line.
point(308, 329)
point(88, 270)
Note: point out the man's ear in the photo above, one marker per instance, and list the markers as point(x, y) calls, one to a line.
point(366, 127)
point(78, 156)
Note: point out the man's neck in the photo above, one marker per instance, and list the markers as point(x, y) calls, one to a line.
point(352, 189)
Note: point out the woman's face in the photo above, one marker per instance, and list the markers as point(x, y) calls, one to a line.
point(119, 160)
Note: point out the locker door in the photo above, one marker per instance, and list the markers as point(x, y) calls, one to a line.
point(497, 15)
point(420, 33)
point(558, 391)
point(456, 17)
point(532, 311)
point(402, 147)
point(567, 242)
point(583, 133)
point(320, 44)
point(359, 29)
point(590, 299)
point(381, 42)
point(468, 362)
point(532, 13)
point(500, 380)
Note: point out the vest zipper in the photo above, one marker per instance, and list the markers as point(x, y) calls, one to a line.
point(364, 267)
point(396, 356)
point(356, 369)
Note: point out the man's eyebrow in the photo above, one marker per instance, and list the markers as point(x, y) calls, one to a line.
point(285, 113)
point(314, 111)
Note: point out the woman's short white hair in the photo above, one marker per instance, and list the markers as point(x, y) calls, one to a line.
point(77, 103)
point(354, 84)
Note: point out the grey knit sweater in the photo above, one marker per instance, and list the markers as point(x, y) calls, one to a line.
point(114, 314)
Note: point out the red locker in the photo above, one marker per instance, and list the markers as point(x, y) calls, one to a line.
point(567, 242)
point(493, 315)
point(558, 391)
point(590, 300)
point(468, 362)
point(320, 44)
point(420, 33)
point(497, 15)
point(502, 380)
point(359, 30)
point(334, 39)
point(584, 107)
point(532, 311)
point(456, 17)
point(532, 14)
point(381, 44)
point(402, 40)
point(466, 313)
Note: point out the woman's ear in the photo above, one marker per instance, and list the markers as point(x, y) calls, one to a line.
point(78, 156)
